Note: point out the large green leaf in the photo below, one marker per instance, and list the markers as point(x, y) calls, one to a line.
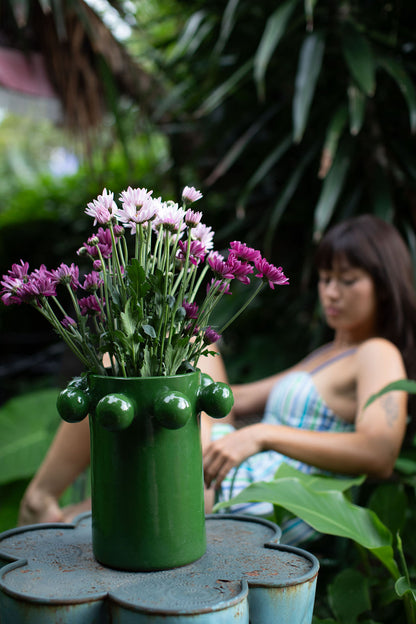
point(326, 511)
point(309, 67)
point(349, 595)
point(359, 58)
point(27, 425)
point(274, 31)
point(404, 82)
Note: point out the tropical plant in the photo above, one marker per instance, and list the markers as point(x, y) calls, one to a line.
point(324, 503)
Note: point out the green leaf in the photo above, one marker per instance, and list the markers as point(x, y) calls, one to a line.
point(271, 159)
point(331, 190)
point(239, 146)
point(28, 424)
point(406, 385)
point(356, 107)
point(319, 483)
point(404, 82)
point(149, 330)
point(227, 25)
point(137, 279)
point(224, 90)
point(130, 318)
point(349, 595)
point(273, 32)
point(389, 502)
point(309, 9)
point(359, 57)
point(402, 587)
point(287, 193)
point(309, 67)
point(326, 511)
point(189, 33)
point(381, 194)
point(333, 134)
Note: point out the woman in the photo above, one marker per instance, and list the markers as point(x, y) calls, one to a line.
point(314, 416)
point(366, 289)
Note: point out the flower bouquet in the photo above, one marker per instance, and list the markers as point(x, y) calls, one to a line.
point(147, 301)
point(139, 321)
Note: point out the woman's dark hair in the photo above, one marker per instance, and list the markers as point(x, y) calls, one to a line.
point(367, 242)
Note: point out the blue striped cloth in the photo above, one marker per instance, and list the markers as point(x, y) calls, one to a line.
point(294, 401)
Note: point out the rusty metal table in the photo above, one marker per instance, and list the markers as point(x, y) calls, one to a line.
point(50, 576)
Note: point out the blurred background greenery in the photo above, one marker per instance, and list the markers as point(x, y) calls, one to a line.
point(288, 115)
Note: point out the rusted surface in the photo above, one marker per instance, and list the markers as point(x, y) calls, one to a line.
point(54, 565)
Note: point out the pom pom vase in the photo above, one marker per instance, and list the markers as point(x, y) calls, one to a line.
point(146, 464)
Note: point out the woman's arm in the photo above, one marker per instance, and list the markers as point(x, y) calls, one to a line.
point(371, 449)
point(67, 457)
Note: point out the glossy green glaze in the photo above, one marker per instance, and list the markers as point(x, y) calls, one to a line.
point(146, 465)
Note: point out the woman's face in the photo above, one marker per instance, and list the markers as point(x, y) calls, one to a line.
point(348, 299)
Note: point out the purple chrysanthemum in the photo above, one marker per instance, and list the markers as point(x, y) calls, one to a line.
point(211, 336)
point(41, 284)
point(89, 305)
point(239, 269)
point(197, 251)
point(242, 252)
point(92, 281)
point(68, 322)
point(270, 273)
point(191, 310)
point(219, 286)
point(65, 274)
point(219, 266)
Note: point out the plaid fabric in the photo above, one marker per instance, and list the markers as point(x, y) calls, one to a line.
point(294, 401)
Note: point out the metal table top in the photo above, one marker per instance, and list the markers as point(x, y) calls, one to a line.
point(49, 575)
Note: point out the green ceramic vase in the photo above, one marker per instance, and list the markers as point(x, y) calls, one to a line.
point(146, 465)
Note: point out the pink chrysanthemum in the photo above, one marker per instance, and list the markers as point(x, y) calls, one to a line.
point(270, 273)
point(204, 234)
point(192, 218)
point(102, 209)
point(170, 217)
point(190, 195)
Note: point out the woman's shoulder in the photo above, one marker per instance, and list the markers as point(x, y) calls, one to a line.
point(379, 351)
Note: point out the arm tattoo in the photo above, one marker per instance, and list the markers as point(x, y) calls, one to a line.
point(390, 407)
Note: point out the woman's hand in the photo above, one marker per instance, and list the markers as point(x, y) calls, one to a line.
point(227, 452)
point(39, 506)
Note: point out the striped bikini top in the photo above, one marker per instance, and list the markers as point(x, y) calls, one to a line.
point(295, 401)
